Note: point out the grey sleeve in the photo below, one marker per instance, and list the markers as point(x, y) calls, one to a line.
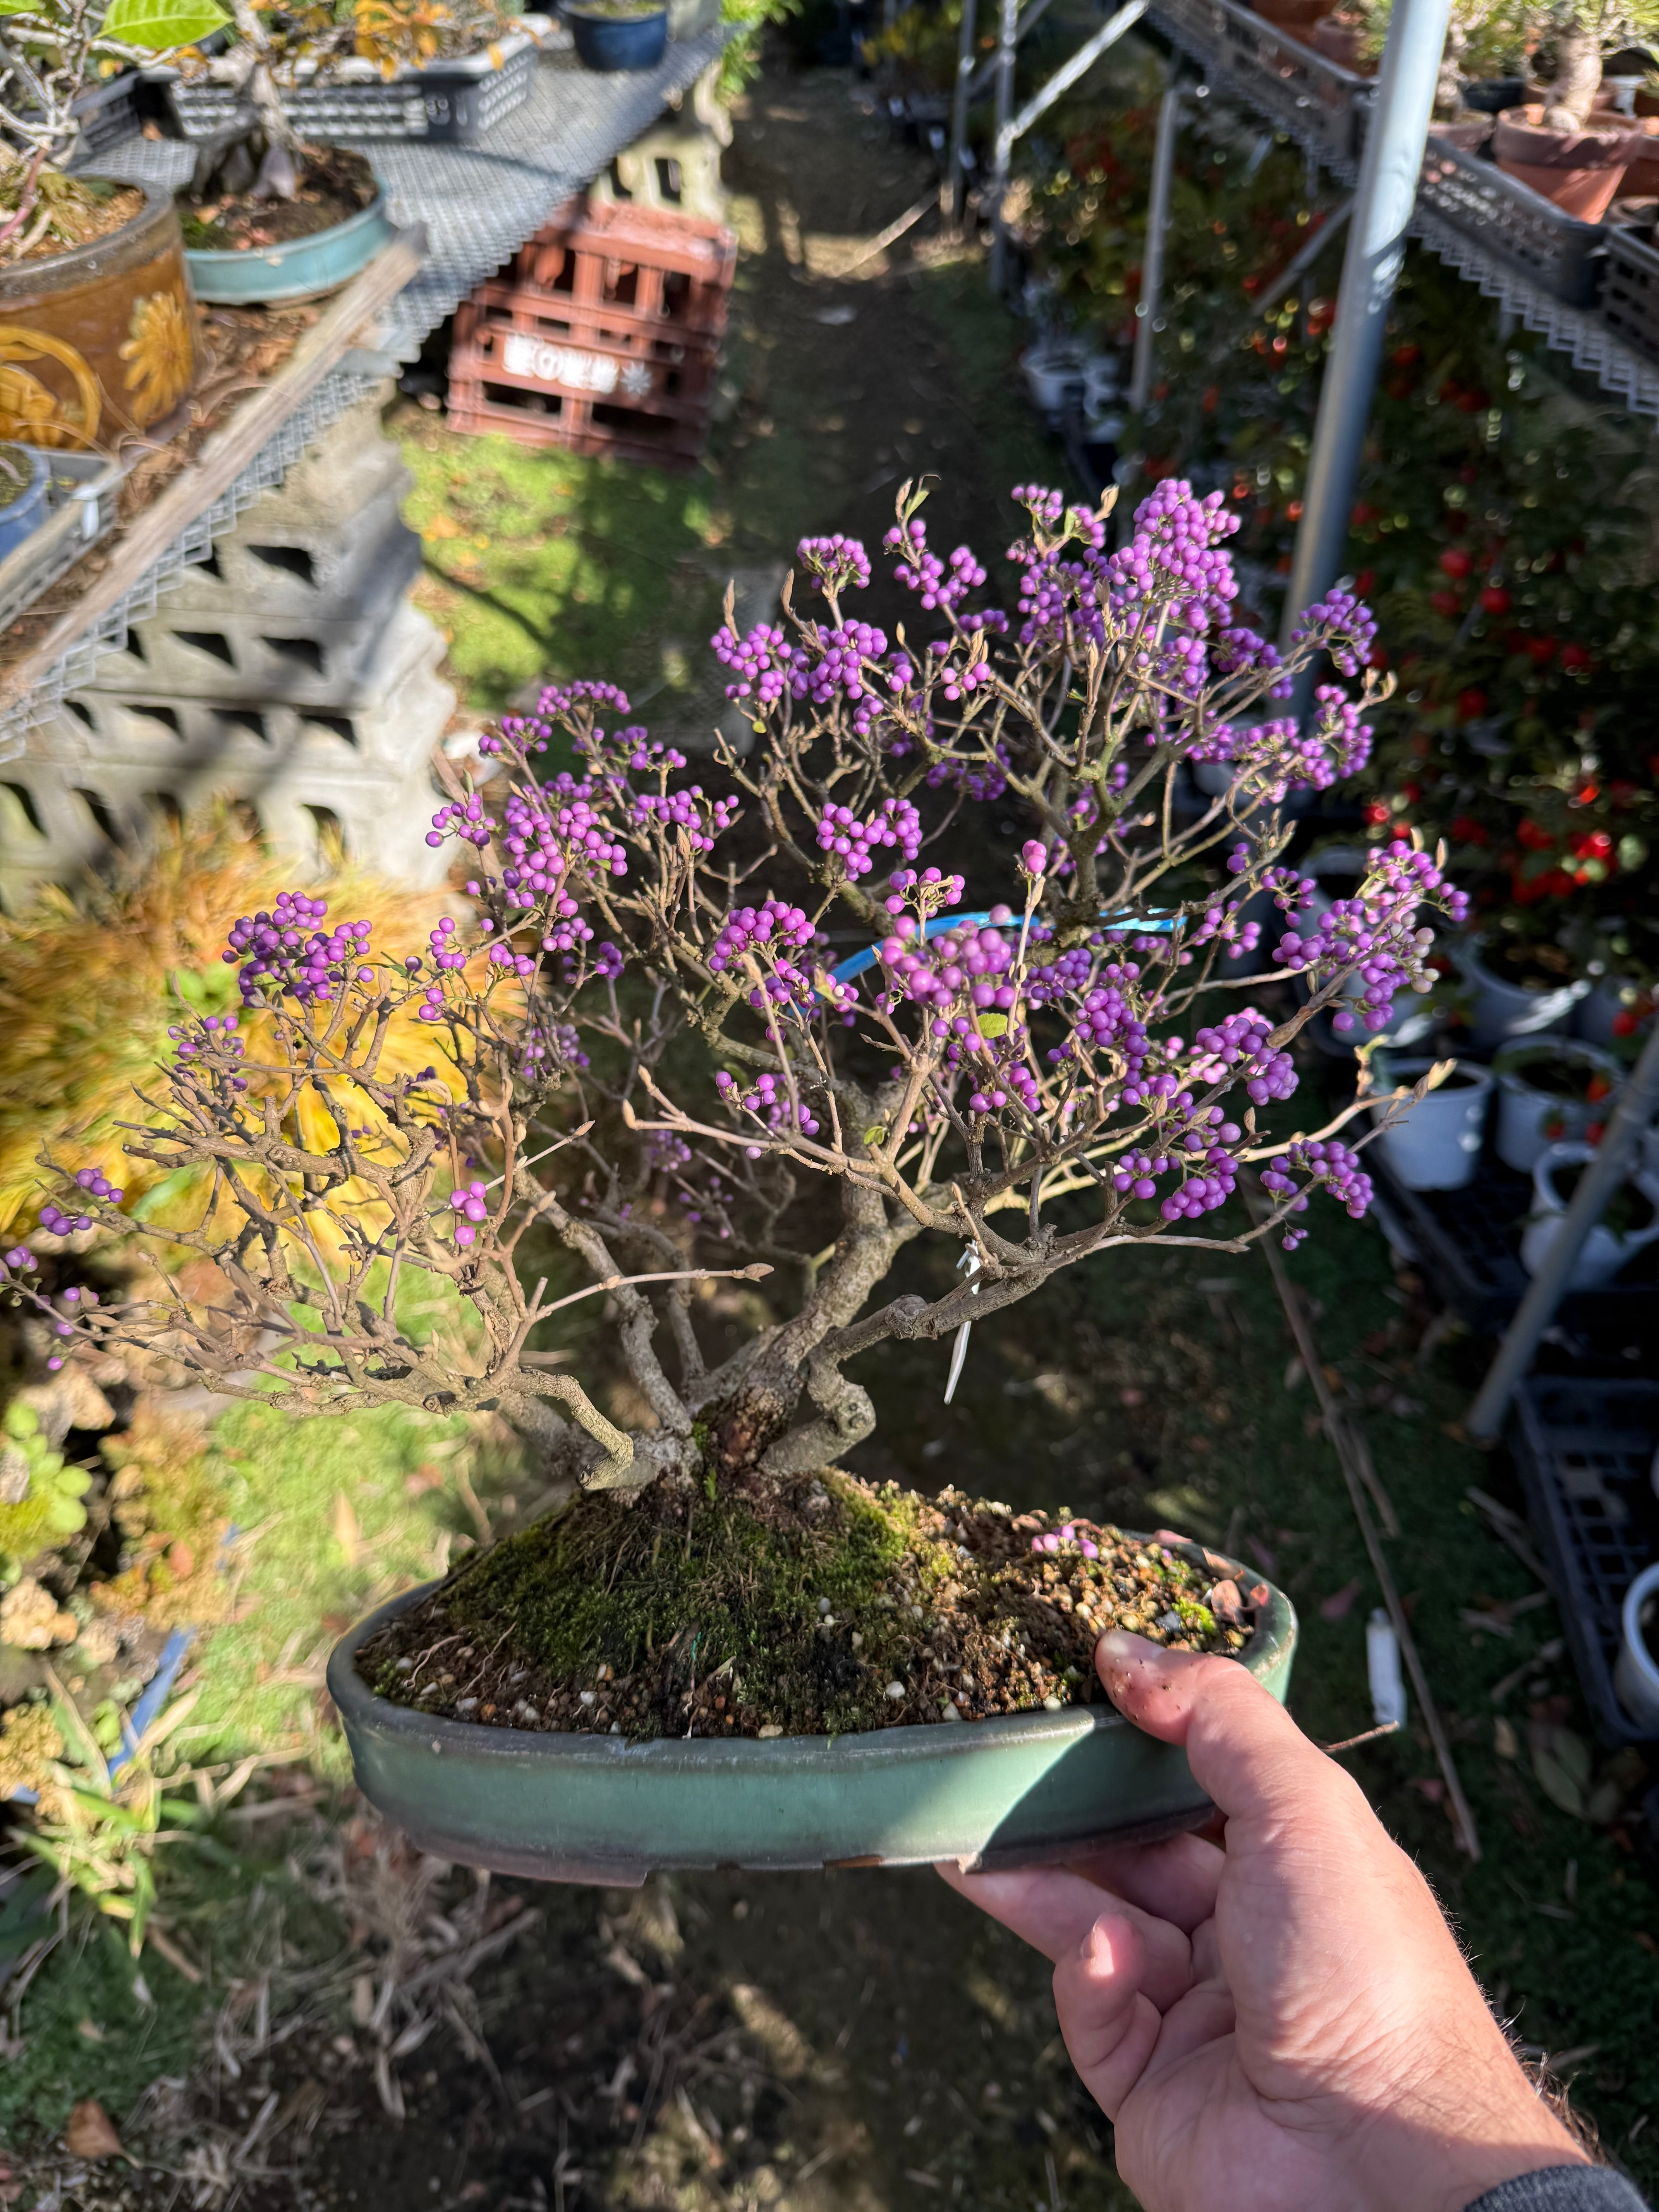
point(1563, 2189)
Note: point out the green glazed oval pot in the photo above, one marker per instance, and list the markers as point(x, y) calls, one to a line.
point(295, 269)
point(1015, 1790)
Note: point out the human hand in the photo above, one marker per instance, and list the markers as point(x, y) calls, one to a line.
point(1283, 2022)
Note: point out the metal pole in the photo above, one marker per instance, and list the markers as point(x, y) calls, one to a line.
point(1637, 1102)
point(1007, 32)
point(1394, 140)
point(1158, 223)
point(958, 204)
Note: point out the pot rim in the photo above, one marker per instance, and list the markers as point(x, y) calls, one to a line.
point(286, 249)
point(1475, 1072)
point(24, 276)
point(1512, 1056)
point(1571, 1154)
point(751, 1755)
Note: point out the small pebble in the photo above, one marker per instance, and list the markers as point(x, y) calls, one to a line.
point(769, 1730)
point(586, 1697)
point(896, 1691)
point(615, 1727)
point(1052, 1704)
point(1170, 1620)
point(405, 1666)
point(823, 1605)
point(948, 1711)
point(466, 1704)
point(856, 1639)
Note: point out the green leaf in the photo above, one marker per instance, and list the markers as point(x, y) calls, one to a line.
point(991, 1026)
point(875, 1136)
point(158, 24)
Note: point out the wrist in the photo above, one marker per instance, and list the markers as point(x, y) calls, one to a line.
point(1451, 2150)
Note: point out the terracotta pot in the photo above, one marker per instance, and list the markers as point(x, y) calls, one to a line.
point(99, 341)
point(1298, 17)
point(1343, 43)
point(1579, 171)
point(1642, 177)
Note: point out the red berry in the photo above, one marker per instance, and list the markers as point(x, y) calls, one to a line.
point(1455, 563)
point(1575, 657)
point(1495, 600)
point(1472, 704)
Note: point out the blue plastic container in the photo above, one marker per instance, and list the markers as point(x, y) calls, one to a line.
point(28, 510)
point(299, 268)
point(618, 42)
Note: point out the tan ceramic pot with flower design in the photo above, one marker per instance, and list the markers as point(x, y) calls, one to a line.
point(98, 341)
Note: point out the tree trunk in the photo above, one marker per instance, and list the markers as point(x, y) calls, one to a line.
point(1578, 78)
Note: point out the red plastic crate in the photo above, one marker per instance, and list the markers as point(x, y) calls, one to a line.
point(601, 334)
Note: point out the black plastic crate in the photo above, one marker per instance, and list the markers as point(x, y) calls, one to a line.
point(448, 103)
point(1562, 255)
point(1469, 1243)
point(1629, 294)
point(1585, 1450)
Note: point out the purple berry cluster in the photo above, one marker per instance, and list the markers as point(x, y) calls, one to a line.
point(284, 953)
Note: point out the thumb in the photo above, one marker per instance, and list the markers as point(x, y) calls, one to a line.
point(1242, 1745)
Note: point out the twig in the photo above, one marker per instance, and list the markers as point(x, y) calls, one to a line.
point(894, 232)
point(1341, 1437)
point(1353, 1743)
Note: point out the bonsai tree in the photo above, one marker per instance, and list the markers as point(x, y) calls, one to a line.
point(50, 54)
point(649, 1068)
point(1581, 31)
point(644, 1010)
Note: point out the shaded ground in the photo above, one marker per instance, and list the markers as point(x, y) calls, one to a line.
point(857, 2040)
point(835, 388)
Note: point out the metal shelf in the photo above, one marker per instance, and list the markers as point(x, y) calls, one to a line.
point(476, 204)
point(1512, 243)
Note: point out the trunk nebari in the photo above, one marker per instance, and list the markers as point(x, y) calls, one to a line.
point(1578, 79)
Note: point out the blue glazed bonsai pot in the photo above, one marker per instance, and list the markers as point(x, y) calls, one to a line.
point(618, 42)
point(1016, 1791)
point(26, 511)
point(295, 269)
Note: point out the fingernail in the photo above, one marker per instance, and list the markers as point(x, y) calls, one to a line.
point(1119, 1644)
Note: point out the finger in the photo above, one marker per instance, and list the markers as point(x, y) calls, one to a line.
point(1177, 1880)
point(1203, 2016)
point(1242, 1747)
point(1053, 1910)
point(1110, 2025)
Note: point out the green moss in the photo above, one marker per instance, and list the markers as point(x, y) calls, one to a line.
point(611, 1585)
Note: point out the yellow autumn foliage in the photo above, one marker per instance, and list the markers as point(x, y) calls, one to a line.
point(89, 986)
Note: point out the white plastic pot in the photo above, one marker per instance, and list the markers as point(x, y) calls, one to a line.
point(1635, 1673)
point(1502, 1009)
point(1102, 383)
point(1436, 1144)
point(1613, 1000)
point(1605, 1251)
point(1053, 373)
point(1530, 1118)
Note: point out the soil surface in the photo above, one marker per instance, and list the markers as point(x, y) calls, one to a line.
point(83, 209)
point(334, 186)
point(835, 1607)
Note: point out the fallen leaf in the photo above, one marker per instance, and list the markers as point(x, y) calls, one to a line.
point(91, 2132)
point(347, 1534)
point(1340, 1604)
point(1505, 1742)
point(1223, 1602)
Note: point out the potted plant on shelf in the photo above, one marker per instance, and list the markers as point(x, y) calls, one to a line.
point(719, 1646)
point(1564, 145)
point(1630, 1220)
point(1551, 1090)
point(98, 337)
point(266, 216)
point(617, 34)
